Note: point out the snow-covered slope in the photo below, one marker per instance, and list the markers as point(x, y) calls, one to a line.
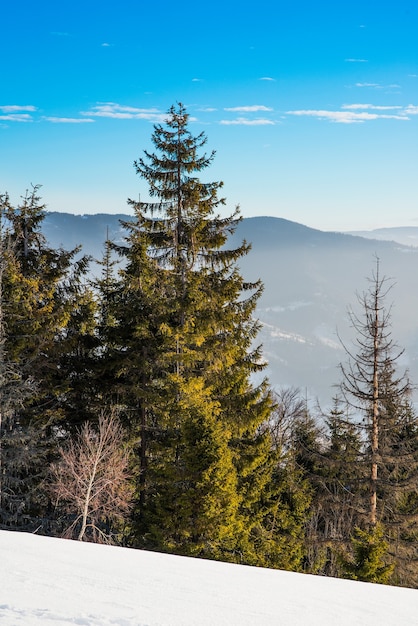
point(55, 582)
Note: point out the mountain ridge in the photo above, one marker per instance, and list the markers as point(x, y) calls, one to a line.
point(71, 226)
point(310, 277)
point(406, 235)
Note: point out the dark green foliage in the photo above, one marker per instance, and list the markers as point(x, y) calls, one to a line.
point(340, 487)
point(193, 478)
point(288, 495)
point(307, 447)
point(280, 536)
point(24, 457)
point(179, 351)
point(387, 459)
point(22, 447)
point(398, 480)
point(221, 469)
point(42, 300)
point(368, 561)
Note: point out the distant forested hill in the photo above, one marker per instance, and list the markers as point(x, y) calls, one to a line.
point(310, 278)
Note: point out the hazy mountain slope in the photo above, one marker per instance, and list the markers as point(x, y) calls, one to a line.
point(406, 235)
point(310, 279)
point(90, 231)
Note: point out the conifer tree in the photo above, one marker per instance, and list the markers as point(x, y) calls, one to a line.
point(288, 496)
point(22, 448)
point(307, 445)
point(42, 302)
point(398, 478)
point(182, 354)
point(340, 488)
point(368, 559)
point(381, 396)
point(44, 297)
point(362, 383)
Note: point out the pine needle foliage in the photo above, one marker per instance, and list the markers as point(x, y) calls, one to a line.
point(380, 396)
point(367, 563)
point(43, 292)
point(181, 353)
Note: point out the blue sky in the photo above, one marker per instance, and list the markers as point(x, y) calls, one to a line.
point(312, 107)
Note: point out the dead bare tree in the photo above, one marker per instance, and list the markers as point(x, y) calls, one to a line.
point(90, 480)
point(362, 384)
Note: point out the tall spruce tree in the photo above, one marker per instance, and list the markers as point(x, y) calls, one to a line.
point(22, 448)
point(46, 304)
point(338, 503)
point(388, 427)
point(41, 300)
point(181, 351)
point(398, 477)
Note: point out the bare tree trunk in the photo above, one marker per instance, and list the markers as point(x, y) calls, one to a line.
point(362, 383)
point(87, 498)
point(375, 415)
point(144, 458)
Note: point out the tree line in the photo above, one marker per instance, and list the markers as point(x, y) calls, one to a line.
point(129, 411)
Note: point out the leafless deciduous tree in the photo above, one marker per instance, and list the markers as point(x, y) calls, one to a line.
point(90, 480)
point(290, 407)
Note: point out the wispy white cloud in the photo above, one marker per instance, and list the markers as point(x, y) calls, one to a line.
point(361, 112)
point(107, 45)
point(11, 108)
point(373, 107)
point(346, 117)
point(197, 80)
point(356, 60)
point(411, 109)
point(373, 85)
point(243, 121)
point(207, 109)
point(17, 112)
point(122, 112)
point(16, 117)
point(253, 108)
point(377, 86)
point(68, 120)
point(268, 78)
